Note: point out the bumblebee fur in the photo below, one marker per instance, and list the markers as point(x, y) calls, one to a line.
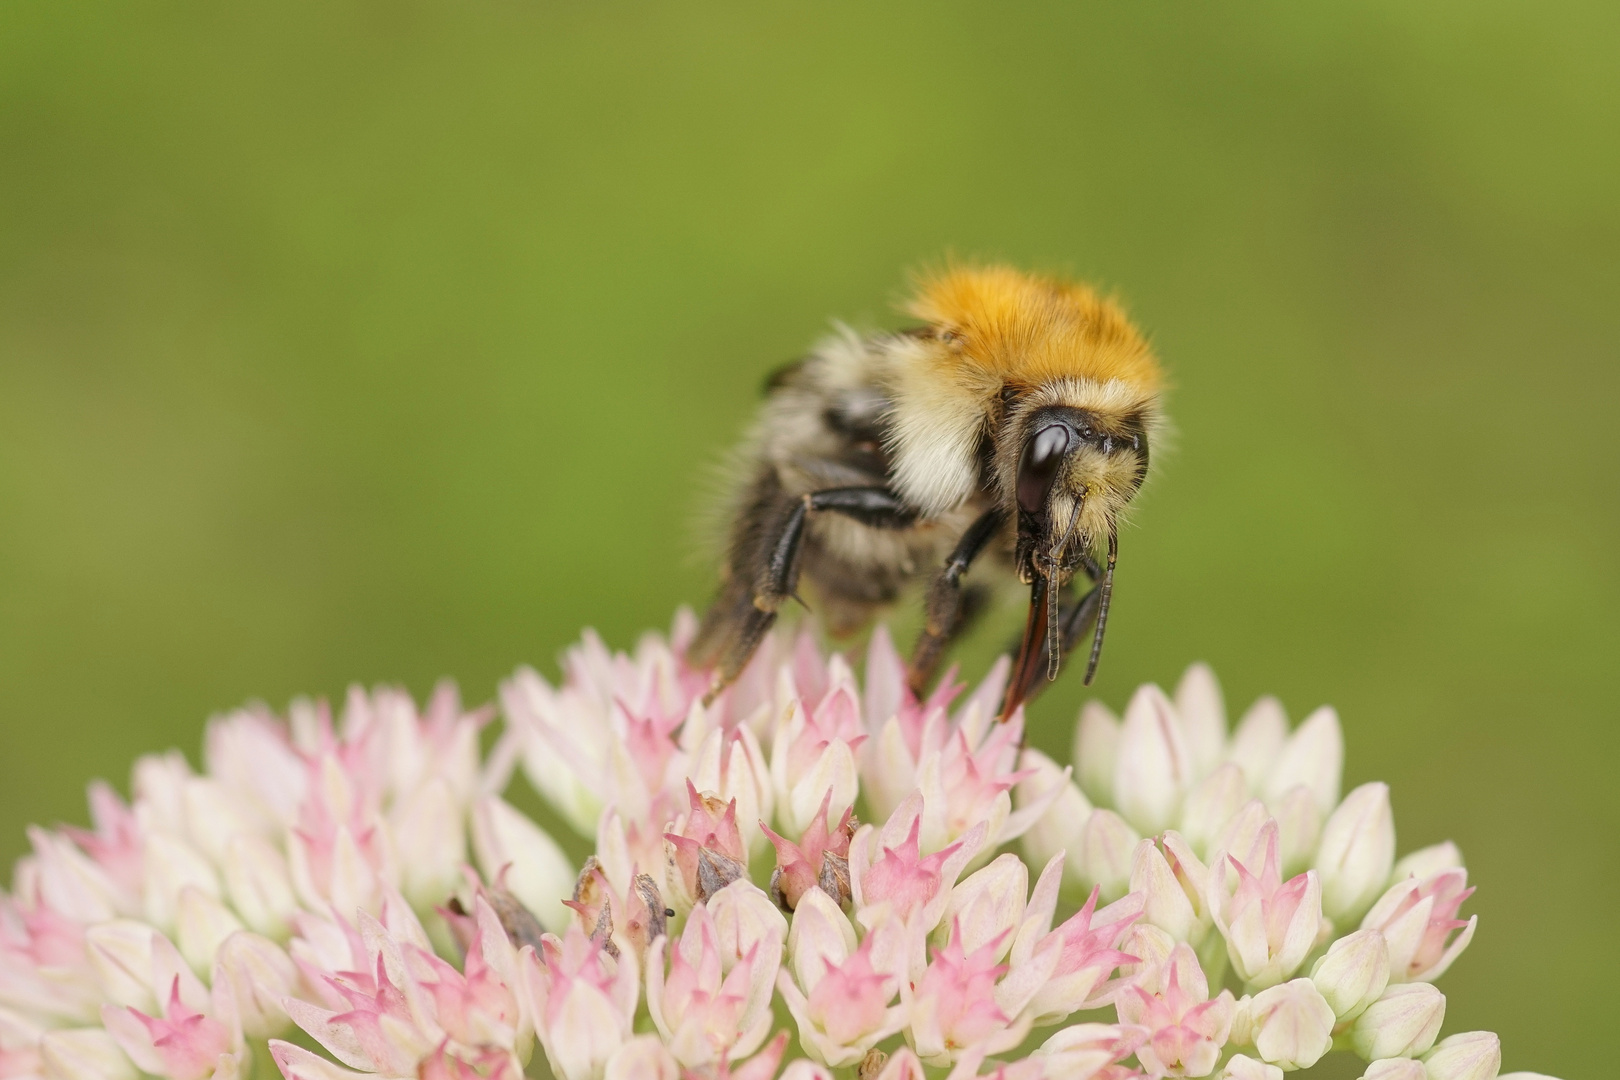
point(1012, 426)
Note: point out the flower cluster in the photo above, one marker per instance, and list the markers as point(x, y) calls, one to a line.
point(808, 876)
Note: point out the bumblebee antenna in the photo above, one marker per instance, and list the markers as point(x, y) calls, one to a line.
point(1106, 594)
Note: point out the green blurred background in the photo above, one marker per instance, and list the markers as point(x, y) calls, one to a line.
point(384, 340)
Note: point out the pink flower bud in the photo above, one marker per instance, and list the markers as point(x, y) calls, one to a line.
point(1418, 918)
point(842, 1008)
point(1471, 1055)
point(1291, 1024)
point(954, 1006)
point(1270, 925)
point(582, 1001)
point(887, 867)
point(180, 1044)
point(700, 1011)
point(1401, 1023)
point(732, 765)
point(1187, 1026)
point(820, 858)
point(1353, 973)
point(704, 849)
point(1356, 853)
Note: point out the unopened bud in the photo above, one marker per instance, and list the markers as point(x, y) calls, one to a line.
point(1354, 973)
point(1401, 1023)
point(1471, 1055)
point(1356, 853)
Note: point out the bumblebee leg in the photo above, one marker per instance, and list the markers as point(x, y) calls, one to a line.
point(877, 507)
point(950, 607)
point(747, 615)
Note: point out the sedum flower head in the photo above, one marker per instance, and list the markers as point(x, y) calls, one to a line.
point(812, 875)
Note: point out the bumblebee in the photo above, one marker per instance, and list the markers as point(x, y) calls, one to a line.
point(1011, 425)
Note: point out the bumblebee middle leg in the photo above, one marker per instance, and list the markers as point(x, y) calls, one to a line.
point(951, 607)
point(748, 611)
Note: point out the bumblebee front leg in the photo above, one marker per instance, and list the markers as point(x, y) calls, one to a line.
point(752, 615)
point(951, 607)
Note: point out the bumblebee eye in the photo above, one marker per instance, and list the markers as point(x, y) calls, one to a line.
point(1043, 453)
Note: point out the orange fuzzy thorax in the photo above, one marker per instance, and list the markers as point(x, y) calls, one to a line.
point(1026, 329)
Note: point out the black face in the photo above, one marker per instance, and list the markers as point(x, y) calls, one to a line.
point(1056, 432)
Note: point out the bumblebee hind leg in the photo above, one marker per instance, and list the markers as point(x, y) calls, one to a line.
point(765, 569)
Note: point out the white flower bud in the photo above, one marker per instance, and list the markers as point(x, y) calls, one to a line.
point(1401, 1023)
point(1152, 768)
point(1293, 1025)
point(1395, 1069)
point(1096, 746)
point(1354, 973)
point(1426, 862)
point(987, 904)
point(1357, 852)
point(1202, 711)
point(1299, 827)
point(535, 869)
point(1059, 826)
point(1211, 804)
point(259, 887)
point(1174, 902)
point(1258, 740)
point(642, 1058)
point(258, 975)
point(433, 826)
point(168, 866)
point(1470, 1055)
point(1242, 1067)
point(84, 1054)
point(1103, 856)
point(818, 937)
point(1313, 756)
point(202, 924)
point(120, 954)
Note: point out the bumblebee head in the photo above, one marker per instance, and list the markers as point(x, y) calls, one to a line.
point(1076, 471)
point(1070, 470)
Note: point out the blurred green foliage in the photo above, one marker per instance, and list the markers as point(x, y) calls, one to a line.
point(383, 340)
